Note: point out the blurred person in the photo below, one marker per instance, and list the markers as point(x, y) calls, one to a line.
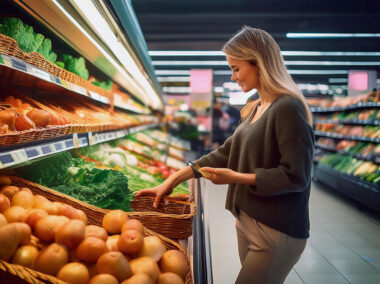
point(266, 162)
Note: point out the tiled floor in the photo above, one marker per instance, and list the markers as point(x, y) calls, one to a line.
point(344, 246)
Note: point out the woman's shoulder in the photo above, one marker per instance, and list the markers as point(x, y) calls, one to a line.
point(289, 106)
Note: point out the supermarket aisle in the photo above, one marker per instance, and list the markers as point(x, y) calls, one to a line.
point(344, 246)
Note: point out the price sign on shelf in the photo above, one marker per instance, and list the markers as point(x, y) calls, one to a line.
point(19, 156)
point(90, 138)
point(75, 140)
point(38, 72)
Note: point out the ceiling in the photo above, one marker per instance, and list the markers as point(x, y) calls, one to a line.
point(205, 25)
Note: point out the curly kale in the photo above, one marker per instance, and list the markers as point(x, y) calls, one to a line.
point(76, 65)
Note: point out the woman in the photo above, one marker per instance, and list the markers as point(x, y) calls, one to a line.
point(267, 162)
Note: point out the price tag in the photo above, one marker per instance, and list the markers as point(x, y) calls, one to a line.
point(75, 140)
point(38, 73)
point(7, 61)
point(19, 156)
point(90, 138)
point(47, 149)
point(79, 90)
point(64, 84)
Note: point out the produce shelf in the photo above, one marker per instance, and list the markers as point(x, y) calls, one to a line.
point(26, 75)
point(18, 154)
point(364, 192)
point(346, 137)
point(350, 107)
point(349, 121)
point(371, 158)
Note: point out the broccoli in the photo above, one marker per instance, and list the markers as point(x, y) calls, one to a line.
point(76, 65)
point(60, 64)
point(52, 56)
point(38, 39)
point(45, 48)
point(14, 28)
point(106, 85)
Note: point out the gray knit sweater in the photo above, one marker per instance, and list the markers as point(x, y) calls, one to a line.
point(278, 148)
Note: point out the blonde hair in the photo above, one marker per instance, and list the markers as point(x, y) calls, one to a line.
point(259, 47)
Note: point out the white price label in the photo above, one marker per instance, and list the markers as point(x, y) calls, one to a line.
point(90, 138)
point(19, 156)
point(75, 140)
point(38, 72)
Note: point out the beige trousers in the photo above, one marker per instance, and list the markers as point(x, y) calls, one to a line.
point(266, 255)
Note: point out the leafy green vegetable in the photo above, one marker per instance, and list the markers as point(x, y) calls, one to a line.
point(82, 180)
point(106, 85)
point(76, 65)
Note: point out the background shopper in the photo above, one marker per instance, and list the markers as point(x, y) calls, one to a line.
point(266, 162)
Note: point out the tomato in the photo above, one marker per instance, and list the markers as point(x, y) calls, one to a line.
point(166, 174)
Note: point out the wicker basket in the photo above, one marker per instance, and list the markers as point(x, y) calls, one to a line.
point(12, 273)
point(172, 218)
point(9, 46)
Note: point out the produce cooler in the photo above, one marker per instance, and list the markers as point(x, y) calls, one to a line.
point(77, 124)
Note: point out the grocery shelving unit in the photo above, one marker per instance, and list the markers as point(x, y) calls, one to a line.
point(365, 192)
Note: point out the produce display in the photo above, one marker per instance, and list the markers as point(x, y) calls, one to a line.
point(369, 131)
point(365, 170)
point(104, 188)
point(19, 112)
point(345, 101)
point(55, 238)
point(361, 115)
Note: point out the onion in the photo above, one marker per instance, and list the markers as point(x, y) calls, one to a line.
point(74, 272)
point(4, 202)
point(26, 256)
point(23, 122)
point(113, 221)
point(40, 117)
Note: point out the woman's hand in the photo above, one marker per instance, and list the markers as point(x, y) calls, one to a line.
point(221, 175)
point(158, 191)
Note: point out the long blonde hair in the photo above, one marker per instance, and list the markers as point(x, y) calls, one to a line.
point(259, 47)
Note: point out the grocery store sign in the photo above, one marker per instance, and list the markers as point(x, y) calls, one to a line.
point(201, 88)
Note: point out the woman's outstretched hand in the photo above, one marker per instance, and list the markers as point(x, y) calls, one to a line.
point(158, 191)
point(221, 175)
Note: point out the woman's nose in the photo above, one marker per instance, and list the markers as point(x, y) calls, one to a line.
point(233, 78)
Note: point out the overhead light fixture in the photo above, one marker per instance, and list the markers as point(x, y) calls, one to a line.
point(218, 89)
point(338, 80)
point(174, 53)
point(297, 62)
point(172, 72)
point(176, 89)
point(295, 72)
point(331, 35)
point(137, 79)
point(173, 79)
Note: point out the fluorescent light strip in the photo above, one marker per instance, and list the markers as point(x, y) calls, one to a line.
point(228, 72)
point(284, 53)
point(218, 89)
point(173, 79)
point(330, 35)
point(338, 80)
point(139, 81)
point(224, 63)
point(176, 89)
point(172, 72)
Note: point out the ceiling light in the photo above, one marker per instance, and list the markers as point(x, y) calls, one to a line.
point(338, 80)
point(176, 89)
point(284, 53)
point(334, 63)
point(218, 89)
point(189, 63)
point(330, 35)
point(173, 79)
point(172, 72)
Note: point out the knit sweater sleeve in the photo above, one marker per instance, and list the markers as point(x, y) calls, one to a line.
point(217, 158)
point(295, 141)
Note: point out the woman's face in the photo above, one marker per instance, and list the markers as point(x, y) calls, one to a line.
point(244, 73)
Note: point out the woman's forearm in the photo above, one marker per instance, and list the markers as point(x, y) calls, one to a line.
point(179, 177)
point(245, 178)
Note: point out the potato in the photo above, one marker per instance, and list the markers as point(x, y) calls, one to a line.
point(43, 203)
point(23, 199)
point(46, 227)
point(103, 279)
point(4, 203)
point(174, 261)
point(138, 279)
point(74, 272)
point(90, 249)
point(169, 278)
point(67, 210)
point(82, 216)
point(152, 247)
point(15, 214)
point(40, 117)
point(25, 233)
point(9, 191)
point(114, 220)
point(130, 242)
point(9, 239)
point(52, 259)
point(145, 265)
point(26, 256)
point(114, 263)
point(3, 220)
point(133, 224)
point(111, 243)
point(5, 180)
point(70, 234)
point(33, 216)
point(96, 232)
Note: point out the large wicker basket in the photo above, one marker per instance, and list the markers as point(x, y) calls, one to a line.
point(12, 273)
point(172, 218)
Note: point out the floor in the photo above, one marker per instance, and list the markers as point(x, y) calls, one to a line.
point(344, 246)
